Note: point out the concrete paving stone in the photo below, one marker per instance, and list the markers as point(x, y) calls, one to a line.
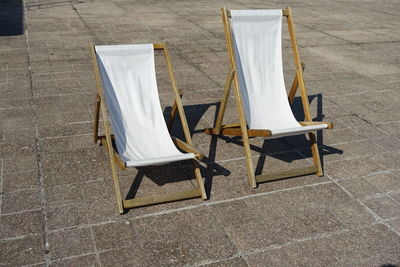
point(307, 253)
point(392, 128)
point(352, 78)
point(370, 246)
point(390, 160)
point(385, 181)
point(66, 216)
point(21, 201)
point(64, 194)
point(123, 257)
point(115, 235)
point(395, 196)
point(24, 251)
point(19, 163)
point(354, 167)
point(66, 143)
point(57, 85)
point(13, 89)
point(388, 143)
point(241, 218)
point(74, 166)
point(16, 107)
point(370, 132)
point(195, 83)
point(387, 78)
point(360, 187)
point(240, 262)
point(165, 245)
point(66, 130)
point(20, 181)
point(345, 209)
point(19, 224)
point(329, 138)
point(71, 242)
point(352, 150)
point(60, 104)
point(385, 207)
point(158, 181)
point(20, 142)
point(86, 260)
point(395, 224)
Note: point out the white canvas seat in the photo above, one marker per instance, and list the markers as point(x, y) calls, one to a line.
point(258, 52)
point(126, 79)
point(129, 83)
point(253, 39)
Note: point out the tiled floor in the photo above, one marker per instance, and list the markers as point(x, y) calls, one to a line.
point(57, 205)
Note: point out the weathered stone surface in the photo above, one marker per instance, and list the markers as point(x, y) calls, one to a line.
point(57, 204)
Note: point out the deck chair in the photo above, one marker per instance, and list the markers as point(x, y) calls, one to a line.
point(126, 79)
point(253, 39)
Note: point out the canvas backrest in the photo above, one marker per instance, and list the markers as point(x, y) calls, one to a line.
point(130, 88)
point(256, 36)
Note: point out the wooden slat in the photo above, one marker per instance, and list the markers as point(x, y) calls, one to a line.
point(285, 12)
point(199, 180)
point(303, 91)
point(294, 87)
point(236, 131)
point(159, 46)
point(96, 119)
point(182, 116)
point(286, 174)
point(187, 148)
point(238, 98)
point(146, 201)
point(173, 112)
point(308, 123)
point(107, 130)
point(185, 126)
point(224, 101)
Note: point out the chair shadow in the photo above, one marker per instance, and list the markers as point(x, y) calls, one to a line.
point(290, 143)
point(194, 113)
point(182, 171)
point(11, 17)
point(297, 108)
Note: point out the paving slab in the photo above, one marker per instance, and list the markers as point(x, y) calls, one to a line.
point(57, 206)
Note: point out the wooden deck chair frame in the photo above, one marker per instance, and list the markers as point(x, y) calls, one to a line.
point(115, 159)
point(240, 129)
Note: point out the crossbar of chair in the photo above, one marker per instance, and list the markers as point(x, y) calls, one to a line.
point(285, 12)
point(286, 174)
point(236, 131)
point(295, 86)
point(157, 199)
point(309, 123)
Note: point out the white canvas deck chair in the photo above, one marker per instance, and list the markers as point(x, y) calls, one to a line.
point(126, 79)
point(253, 39)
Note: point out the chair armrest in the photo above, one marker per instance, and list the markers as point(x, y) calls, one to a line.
point(187, 148)
point(308, 123)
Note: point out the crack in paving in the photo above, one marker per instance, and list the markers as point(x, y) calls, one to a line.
point(37, 149)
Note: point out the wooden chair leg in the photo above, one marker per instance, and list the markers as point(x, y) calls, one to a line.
point(170, 123)
point(96, 119)
point(315, 153)
point(199, 180)
point(224, 101)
